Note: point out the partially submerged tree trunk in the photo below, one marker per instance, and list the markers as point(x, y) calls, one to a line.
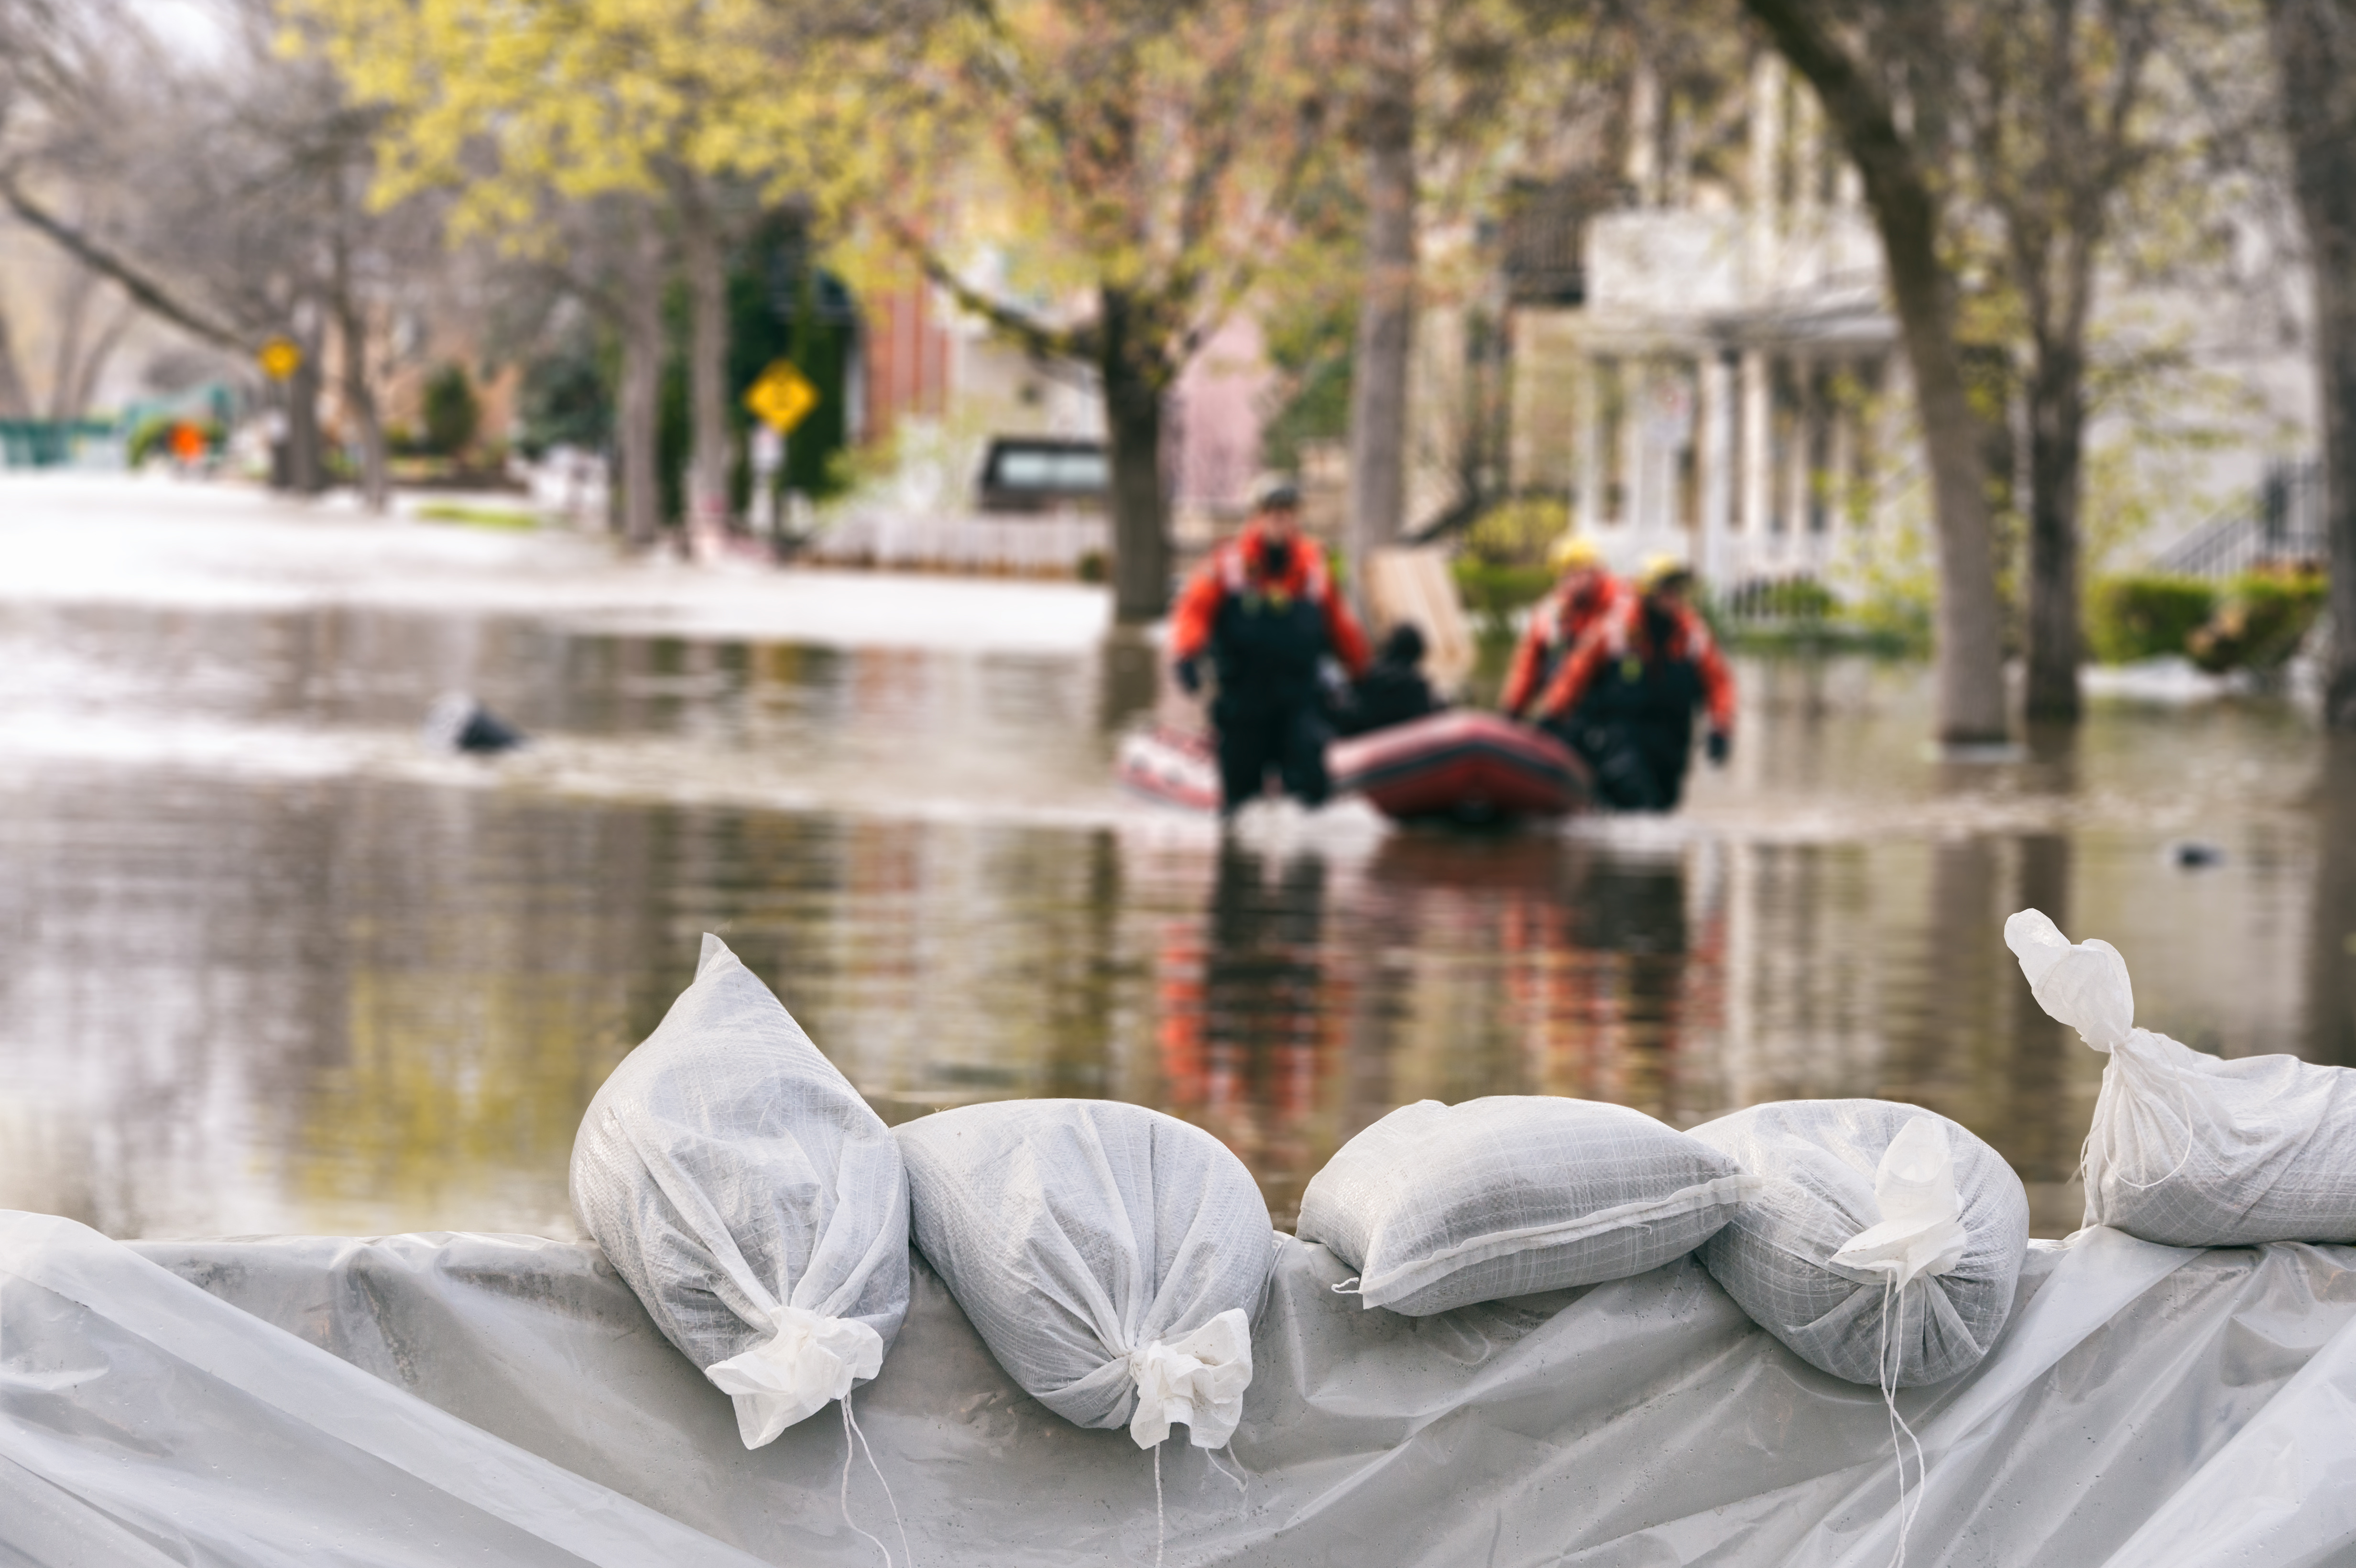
point(707, 359)
point(2315, 54)
point(1380, 369)
point(15, 404)
point(2057, 425)
point(82, 386)
point(307, 469)
point(359, 401)
point(1970, 672)
point(1136, 383)
point(360, 393)
point(635, 411)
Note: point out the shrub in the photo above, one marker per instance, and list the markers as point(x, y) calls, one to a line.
point(1518, 532)
point(451, 412)
point(1493, 592)
point(2143, 615)
point(2264, 617)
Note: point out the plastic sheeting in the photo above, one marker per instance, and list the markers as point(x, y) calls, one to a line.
point(2146, 1405)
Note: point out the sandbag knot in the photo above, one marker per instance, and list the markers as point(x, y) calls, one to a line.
point(1198, 1378)
point(809, 1361)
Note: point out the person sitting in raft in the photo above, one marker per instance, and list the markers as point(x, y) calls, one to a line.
point(1582, 596)
point(1264, 612)
point(1625, 700)
point(1393, 691)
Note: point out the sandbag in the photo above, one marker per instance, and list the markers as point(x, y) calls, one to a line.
point(1441, 1206)
point(1884, 1244)
point(1112, 1258)
point(750, 1197)
point(2186, 1149)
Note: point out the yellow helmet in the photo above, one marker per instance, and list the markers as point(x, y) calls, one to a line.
point(1574, 552)
point(1658, 569)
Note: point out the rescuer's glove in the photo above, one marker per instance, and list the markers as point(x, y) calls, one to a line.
point(1718, 745)
point(1190, 678)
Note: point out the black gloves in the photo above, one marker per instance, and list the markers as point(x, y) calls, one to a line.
point(1190, 677)
point(1718, 745)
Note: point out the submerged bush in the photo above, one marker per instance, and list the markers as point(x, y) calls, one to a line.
point(2264, 617)
point(2142, 615)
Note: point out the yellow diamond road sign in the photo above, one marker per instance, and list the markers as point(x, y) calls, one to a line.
point(782, 397)
point(279, 358)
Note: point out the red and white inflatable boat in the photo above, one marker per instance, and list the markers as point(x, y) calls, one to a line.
point(1464, 767)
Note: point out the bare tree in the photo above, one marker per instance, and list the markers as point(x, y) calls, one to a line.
point(1864, 59)
point(2051, 97)
point(1378, 386)
point(2314, 44)
point(234, 208)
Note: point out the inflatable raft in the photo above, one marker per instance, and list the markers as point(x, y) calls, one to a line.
point(1464, 767)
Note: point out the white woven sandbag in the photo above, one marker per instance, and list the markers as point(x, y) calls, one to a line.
point(1112, 1258)
point(1885, 1244)
point(1441, 1206)
point(749, 1196)
point(2186, 1149)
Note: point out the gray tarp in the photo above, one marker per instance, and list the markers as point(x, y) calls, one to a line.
point(493, 1398)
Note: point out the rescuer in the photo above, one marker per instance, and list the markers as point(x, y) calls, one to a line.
point(1583, 594)
point(1264, 612)
point(1626, 697)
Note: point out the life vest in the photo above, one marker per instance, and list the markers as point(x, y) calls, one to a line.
point(1269, 637)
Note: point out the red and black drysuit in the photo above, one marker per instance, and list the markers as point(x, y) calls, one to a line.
point(1555, 626)
point(1625, 700)
point(1267, 615)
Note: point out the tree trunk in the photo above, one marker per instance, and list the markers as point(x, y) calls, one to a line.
point(1379, 381)
point(1970, 677)
point(1134, 384)
point(707, 363)
point(306, 472)
point(13, 402)
point(2315, 53)
point(71, 319)
point(2056, 421)
point(360, 399)
point(636, 413)
point(84, 387)
point(359, 396)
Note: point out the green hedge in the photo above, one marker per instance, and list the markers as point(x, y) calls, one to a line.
point(2143, 615)
point(1493, 592)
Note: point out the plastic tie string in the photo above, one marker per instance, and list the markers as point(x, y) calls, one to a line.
point(851, 1429)
point(1886, 1365)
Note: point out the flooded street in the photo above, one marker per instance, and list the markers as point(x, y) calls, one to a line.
point(272, 966)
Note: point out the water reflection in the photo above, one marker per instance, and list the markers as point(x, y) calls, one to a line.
point(270, 967)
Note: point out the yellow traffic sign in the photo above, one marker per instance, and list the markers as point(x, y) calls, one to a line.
point(279, 358)
point(782, 398)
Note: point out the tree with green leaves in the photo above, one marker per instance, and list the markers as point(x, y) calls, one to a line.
point(1139, 167)
point(527, 112)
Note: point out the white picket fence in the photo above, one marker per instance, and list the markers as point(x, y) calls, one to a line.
point(1046, 544)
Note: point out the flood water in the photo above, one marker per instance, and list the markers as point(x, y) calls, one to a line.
point(271, 967)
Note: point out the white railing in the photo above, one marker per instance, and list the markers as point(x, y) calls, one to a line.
point(1046, 544)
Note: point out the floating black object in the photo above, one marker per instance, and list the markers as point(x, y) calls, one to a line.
point(457, 722)
point(2190, 854)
